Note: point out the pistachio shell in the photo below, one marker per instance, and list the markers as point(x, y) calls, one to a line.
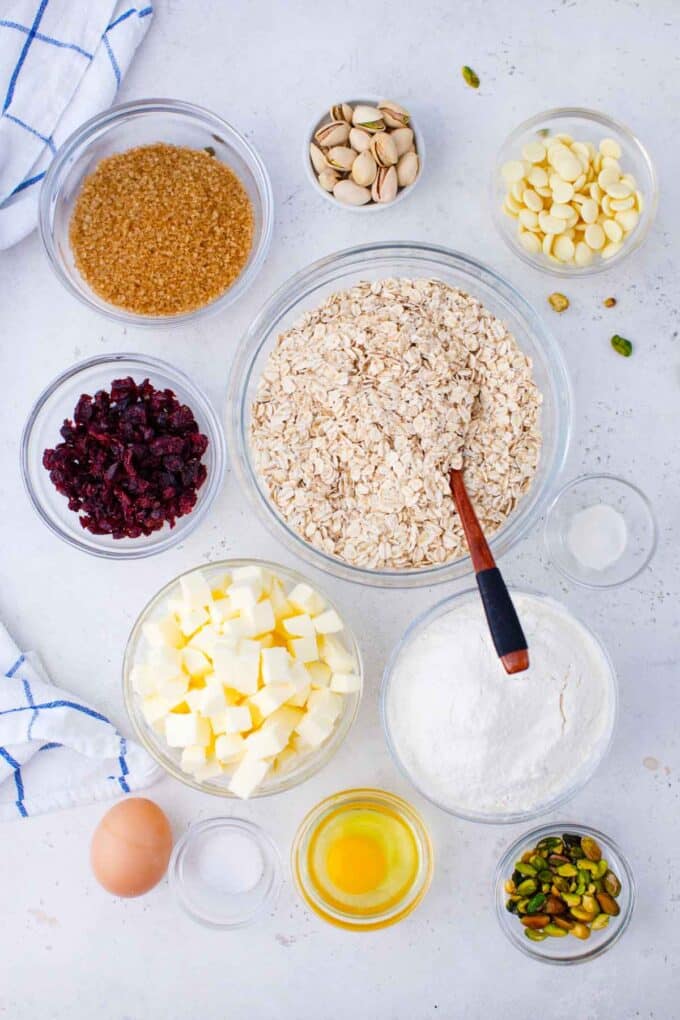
point(403, 139)
point(335, 133)
point(364, 169)
point(368, 117)
point(407, 169)
point(395, 116)
point(341, 158)
point(385, 185)
point(350, 193)
point(317, 157)
point(341, 111)
point(359, 140)
point(328, 178)
point(384, 150)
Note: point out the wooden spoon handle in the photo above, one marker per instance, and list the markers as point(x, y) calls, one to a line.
point(506, 630)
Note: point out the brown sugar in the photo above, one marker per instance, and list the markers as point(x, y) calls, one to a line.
point(161, 229)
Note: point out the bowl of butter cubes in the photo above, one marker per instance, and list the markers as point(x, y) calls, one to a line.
point(241, 679)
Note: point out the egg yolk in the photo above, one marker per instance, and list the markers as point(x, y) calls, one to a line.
point(356, 864)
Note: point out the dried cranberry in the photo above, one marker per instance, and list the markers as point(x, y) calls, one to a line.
point(130, 460)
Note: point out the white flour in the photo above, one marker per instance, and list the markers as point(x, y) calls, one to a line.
point(478, 740)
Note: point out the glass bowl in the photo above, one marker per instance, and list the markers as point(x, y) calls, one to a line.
point(306, 290)
point(57, 402)
point(371, 207)
point(587, 126)
point(569, 949)
point(640, 529)
point(143, 123)
point(169, 757)
point(362, 799)
point(578, 779)
point(200, 880)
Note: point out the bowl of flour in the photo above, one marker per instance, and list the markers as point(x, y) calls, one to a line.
point(490, 747)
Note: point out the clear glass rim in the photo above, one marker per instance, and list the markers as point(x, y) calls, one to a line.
point(372, 207)
point(111, 117)
point(651, 200)
point(263, 840)
point(507, 818)
point(308, 280)
point(574, 483)
point(601, 945)
point(313, 763)
point(212, 485)
point(420, 886)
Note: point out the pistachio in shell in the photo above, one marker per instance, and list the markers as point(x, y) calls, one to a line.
point(395, 116)
point(403, 138)
point(383, 149)
point(407, 169)
point(350, 193)
point(341, 111)
point(364, 169)
point(341, 158)
point(385, 185)
point(359, 139)
point(317, 157)
point(328, 178)
point(369, 118)
point(335, 133)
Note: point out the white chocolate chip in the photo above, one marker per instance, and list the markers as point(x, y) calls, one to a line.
point(608, 147)
point(594, 236)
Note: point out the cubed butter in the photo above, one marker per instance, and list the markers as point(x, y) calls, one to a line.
point(334, 654)
point(327, 622)
point(314, 729)
point(155, 708)
point(268, 699)
point(195, 662)
point(240, 668)
point(304, 649)
point(237, 719)
point(174, 689)
point(325, 703)
point(187, 729)
point(261, 618)
point(210, 770)
point(193, 756)
point(275, 666)
point(212, 700)
point(306, 600)
point(345, 683)
point(163, 632)
point(299, 626)
point(229, 747)
point(248, 776)
point(195, 590)
point(319, 673)
point(143, 679)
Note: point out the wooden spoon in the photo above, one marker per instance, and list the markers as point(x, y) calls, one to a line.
point(506, 630)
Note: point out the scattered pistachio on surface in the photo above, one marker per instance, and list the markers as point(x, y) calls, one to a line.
point(365, 153)
point(470, 77)
point(563, 886)
point(558, 302)
point(621, 345)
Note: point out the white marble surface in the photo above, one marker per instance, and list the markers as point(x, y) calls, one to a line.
point(68, 949)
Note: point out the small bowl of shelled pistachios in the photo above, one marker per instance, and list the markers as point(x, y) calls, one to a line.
point(364, 154)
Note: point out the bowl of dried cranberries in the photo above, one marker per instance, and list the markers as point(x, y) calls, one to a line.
point(122, 456)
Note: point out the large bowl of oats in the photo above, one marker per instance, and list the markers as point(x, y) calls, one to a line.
point(364, 380)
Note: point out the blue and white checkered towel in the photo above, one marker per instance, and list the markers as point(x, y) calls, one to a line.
point(61, 62)
point(55, 750)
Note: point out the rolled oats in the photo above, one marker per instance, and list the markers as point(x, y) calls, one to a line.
point(367, 402)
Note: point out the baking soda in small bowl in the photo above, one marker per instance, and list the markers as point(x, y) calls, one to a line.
point(597, 536)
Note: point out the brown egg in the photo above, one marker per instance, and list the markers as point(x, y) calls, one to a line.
point(131, 847)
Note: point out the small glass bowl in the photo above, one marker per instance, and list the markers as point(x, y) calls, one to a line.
point(592, 490)
point(362, 798)
point(569, 949)
point(57, 402)
point(588, 126)
point(124, 127)
point(578, 780)
point(313, 285)
point(199, 887)
point(169, 757)
point(371, 207)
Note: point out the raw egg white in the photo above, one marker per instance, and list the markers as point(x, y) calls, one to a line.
point(131, 847)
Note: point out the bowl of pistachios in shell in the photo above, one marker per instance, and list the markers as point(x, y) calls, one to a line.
point(364, 154)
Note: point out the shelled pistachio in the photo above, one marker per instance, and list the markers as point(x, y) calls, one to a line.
point(365, 154)
point(563, 886)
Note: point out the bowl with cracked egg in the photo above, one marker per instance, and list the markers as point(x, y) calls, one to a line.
point(364, 380)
